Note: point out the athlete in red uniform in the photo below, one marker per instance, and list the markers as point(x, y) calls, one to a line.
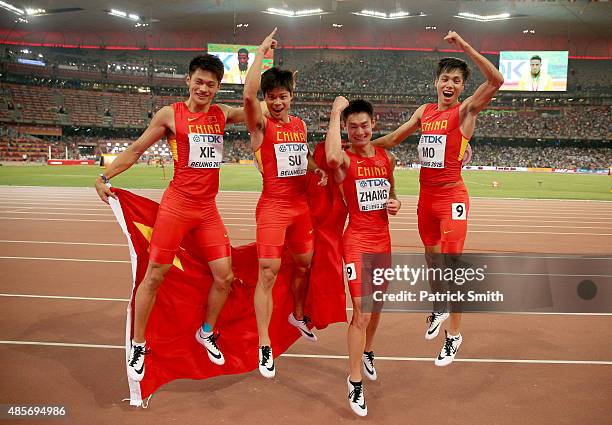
point(194, 130)
point(282, 215)
point(366, 175)
point(446, 127)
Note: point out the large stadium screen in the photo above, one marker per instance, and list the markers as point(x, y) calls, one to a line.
point(237, 58)
point(534, 70)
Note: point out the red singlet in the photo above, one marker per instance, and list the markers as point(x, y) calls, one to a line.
point(366, 190)
point(282, 211)
point(197, 151)
point(443, 200)
point(188, 205)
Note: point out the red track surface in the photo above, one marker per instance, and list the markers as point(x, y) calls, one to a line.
point(511, 368)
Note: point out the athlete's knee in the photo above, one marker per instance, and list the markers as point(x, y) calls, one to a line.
point(301, 269)
point(223, 282)
point(154, 278)
point(302, 262)
point(268, 276)
point(361, 320)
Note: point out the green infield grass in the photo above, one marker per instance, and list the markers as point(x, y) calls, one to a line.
point(247, 178)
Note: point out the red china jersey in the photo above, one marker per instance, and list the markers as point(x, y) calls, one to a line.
point(441, 146)
point(366, 190)
point(283, 159)
point(197, 151)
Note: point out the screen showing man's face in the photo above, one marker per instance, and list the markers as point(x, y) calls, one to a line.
point(243, 61)
point(535, 66)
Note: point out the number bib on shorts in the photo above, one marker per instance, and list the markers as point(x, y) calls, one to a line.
point(291, 159)
point(205, 150)
point(431, 150)
point(372, 194)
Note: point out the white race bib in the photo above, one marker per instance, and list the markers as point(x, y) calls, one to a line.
point(431, 150)
point(372, 194)
point(458, 211)
point(205, 150)
point(291, 159)
point(351, 271)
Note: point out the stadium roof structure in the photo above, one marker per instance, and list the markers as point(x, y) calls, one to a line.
point(582, 27)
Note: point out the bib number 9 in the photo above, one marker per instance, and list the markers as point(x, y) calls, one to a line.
point(458, 211)
point(351, 272)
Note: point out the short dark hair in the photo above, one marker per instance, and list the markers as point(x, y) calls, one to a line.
point(276, 78)
point(536, 57)
point(207, 62)
point(243, 50)
point(357, 106)
point(452, 64)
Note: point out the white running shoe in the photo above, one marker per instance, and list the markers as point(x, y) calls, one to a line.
point(302, 325)
point(356, 397)
point(451, 346)
point(367, 361)
point(135, 362)
point(435, 321)
point(209, 341)
point(266, 362)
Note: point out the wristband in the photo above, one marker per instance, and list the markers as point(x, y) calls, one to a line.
point(105, 179)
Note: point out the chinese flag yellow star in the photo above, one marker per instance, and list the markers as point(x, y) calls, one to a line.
point(147, 232)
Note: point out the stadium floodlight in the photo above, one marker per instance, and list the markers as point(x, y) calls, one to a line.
point(383, 15)
point(483, 18)
point(33, 12)
point(119, 13)
point(11, 8)
point(294, 13)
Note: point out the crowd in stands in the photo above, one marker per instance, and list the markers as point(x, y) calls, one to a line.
point(542, 156)
point(238, 147)
point(75, 91)
point(323, 70)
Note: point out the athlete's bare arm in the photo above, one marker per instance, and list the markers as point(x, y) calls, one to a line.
point(335, 156)
point(483, 94)
point(162, 124)
point(393, 205)
point(235, 115)
point(394, 138)
point(254, 115)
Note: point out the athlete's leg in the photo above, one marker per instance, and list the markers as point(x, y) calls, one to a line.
point(356, 338)
point(169, 230)
point(223, 276)
point(371, 331)
point(299, 286)
point(213, 246)
point(145, 298)
point(454, 231)
point(300, 242)
point(268, 270)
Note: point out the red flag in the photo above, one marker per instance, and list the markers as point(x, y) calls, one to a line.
point(326, 297)
point(181, 300)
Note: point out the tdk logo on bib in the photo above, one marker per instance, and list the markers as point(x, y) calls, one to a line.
point(372, 194)
point(205, 150)
point(210, 138)
point(433, 138)
point(291, 159)
point(432, 148)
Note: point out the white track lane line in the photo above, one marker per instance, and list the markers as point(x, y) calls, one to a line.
point(64, 243)
point(390, 310)
point(523, 226)
point(411, 229)
point(334, 357)
point(83, 260)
